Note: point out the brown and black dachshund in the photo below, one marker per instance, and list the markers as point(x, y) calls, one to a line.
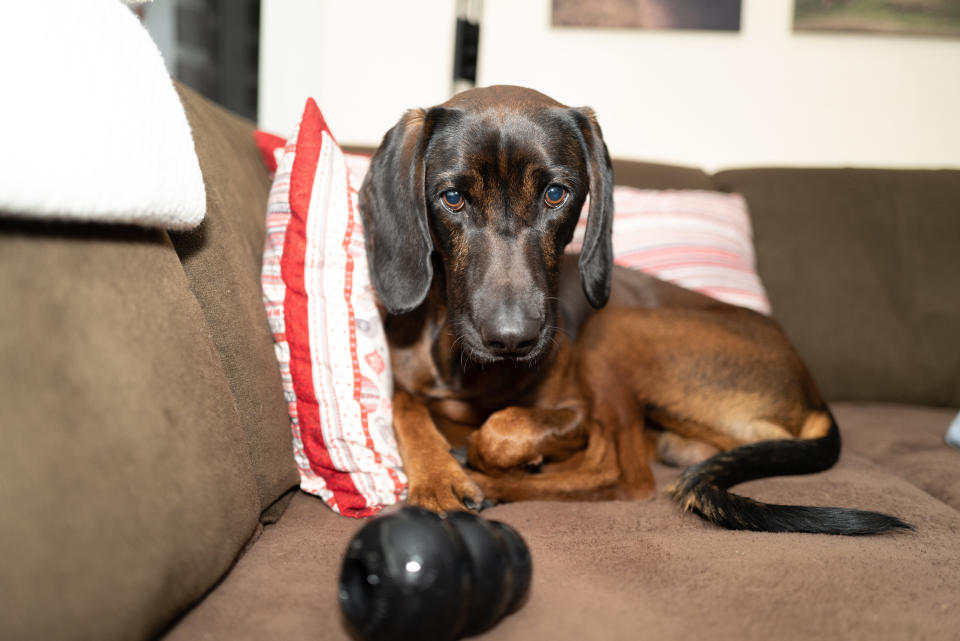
point(561, 375)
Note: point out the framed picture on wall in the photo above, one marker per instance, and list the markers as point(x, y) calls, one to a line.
point(902, 17)
point(717, 15)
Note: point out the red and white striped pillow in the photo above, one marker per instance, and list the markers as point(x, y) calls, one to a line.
point(701, 240)
point(327, 330)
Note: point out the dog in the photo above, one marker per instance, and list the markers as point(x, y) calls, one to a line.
point(560, 375)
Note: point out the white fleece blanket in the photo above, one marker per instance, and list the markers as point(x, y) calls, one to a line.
point(92, 128)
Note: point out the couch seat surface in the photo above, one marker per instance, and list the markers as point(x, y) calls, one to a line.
point(617, 570)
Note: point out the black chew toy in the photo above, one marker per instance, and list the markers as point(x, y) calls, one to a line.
point(415, 574)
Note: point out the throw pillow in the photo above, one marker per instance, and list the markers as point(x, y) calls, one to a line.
point(329, 338)
point(701, 240)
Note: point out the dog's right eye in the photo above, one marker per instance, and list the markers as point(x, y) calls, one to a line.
point(452, 199)
point(554, 196)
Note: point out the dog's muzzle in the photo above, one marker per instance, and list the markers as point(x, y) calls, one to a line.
point(511, 330)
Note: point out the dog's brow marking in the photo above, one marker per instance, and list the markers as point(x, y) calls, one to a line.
point(460, 253)
point(459, 178)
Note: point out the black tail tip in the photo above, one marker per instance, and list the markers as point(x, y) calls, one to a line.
point(879, 523)
point(736, 512)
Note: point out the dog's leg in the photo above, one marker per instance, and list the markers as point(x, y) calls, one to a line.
point(727, 434)
point(612, 465)
point(522, 437)
point(591, 474)
point(680, 451)
point(437, 481)
point(636, 478)
point(574, 485)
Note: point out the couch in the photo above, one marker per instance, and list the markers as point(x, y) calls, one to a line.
point(148, 489)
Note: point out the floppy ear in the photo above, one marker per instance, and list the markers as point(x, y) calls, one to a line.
point(596, 256)
point(394, 214)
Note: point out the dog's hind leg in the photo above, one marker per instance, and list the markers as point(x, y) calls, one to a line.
point(726, 434)
point(680, 451)
point(636, 478)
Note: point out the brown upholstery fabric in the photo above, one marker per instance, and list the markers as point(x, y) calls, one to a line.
point(222, 259)
point(646, 175)
point(620, 570)
point(861, 269)
point(125, 484)
point(906, 441)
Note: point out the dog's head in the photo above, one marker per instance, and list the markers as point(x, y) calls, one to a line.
point(493, 182)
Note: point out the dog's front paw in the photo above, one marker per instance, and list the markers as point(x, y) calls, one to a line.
point(502, 443)
point(445, 489)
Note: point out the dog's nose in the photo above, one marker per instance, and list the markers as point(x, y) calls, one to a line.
point(510, 333)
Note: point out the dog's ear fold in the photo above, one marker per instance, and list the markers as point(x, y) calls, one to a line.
point(394, 214)
point(596, 256)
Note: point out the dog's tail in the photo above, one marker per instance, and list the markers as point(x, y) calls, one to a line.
point(702, 488)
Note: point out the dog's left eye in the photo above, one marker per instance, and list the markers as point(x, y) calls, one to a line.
point(554, 196)
point(452, 199)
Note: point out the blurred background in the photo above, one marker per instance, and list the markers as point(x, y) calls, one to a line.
point(709, 83)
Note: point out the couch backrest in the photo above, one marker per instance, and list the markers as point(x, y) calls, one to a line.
point(862, 268)
point(125, 479)
point(222, 260)
point(145, 430)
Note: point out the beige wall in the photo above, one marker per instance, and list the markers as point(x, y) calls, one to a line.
point(760, 96)
point(364, 61)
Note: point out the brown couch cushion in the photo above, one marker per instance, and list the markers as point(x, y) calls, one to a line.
point(647, 175)
point(907, 441)
point(222, 260)
point(622, 570)
point(861, 268)
point(125, 485)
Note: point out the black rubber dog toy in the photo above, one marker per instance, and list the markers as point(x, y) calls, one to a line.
point(415, 574)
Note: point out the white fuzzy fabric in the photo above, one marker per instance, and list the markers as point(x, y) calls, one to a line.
point(953, 432)
point(92, 127)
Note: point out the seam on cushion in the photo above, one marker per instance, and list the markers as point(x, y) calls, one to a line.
point(201, 231)
point(179, 616)
point(190, 245)
point(257, 531)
